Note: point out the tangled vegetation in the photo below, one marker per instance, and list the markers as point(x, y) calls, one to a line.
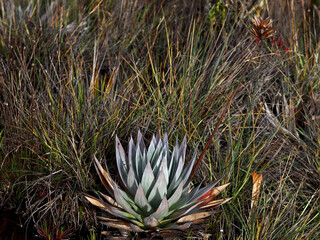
point(74, 74)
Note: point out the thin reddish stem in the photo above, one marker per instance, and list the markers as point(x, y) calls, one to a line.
point(212, 134)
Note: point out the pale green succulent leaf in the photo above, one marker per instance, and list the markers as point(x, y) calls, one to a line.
point(141, 155)
point(194, 208)
point(130, 200)
point(166, 146)
point(182, 177)
point(187, 171)
point(124, 204)
point(131, 150)
point(177, 177)
point(176, 195)
point(162, 210)
point(147, 178)
point(144, 161)
point(164, 168)
point(121, 161)
point(131, 158)
point(158, 191)
point(131, 181)
point(128, 217)
point(183, 201)
point(138, 163)
point(173, 161)
point(140, 143)
point(183, 148)
point(157, 155)
point(141, 200)
point(121, 152)
point(159, 165)
point(180, 161)
point(151, 149)
point(177, 162)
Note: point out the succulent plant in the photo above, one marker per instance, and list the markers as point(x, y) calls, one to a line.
point(157, 191)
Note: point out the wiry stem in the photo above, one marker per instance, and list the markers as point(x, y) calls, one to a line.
point(212, 134)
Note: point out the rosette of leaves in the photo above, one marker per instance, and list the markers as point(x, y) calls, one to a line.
point(156, 193)
point(262, 29)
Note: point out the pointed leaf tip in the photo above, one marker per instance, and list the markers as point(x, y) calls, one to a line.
point(95, 201)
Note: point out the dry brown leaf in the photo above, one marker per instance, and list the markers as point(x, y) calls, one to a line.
point(193, 217)
point(120, 225)
point(110, 200)
point(98, 203)
point(110, 219)
point(95, 201)
point(104, 177)
point(215, 203)
point(256, 179)
point(217, 190)
point(207, 198)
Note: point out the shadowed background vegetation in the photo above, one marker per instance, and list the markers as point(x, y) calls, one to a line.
point(73, 74)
